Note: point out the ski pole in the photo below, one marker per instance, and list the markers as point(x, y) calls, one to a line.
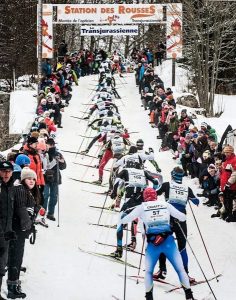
point(197, 261)
point(126, 251)
point(58, 202)
point(58, 214)
point(99, 219)
point(203, 241)
point(141, 257)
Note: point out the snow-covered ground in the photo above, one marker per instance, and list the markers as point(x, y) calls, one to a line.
point(22, 111)
point(57, 270)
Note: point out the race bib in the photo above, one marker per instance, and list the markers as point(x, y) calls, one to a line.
point(136, 178)
point(118, 145)
point(101, 105)
point(178, 194)
point(156, 215)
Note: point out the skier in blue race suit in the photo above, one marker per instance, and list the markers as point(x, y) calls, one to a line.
point(177, 194)
point(155, 215)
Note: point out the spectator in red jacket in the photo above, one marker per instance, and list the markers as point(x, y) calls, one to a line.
point(228, 183)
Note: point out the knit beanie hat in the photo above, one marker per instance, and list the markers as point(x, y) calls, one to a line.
point(43, 101)
point(6, 165)
point(28, 173)
point(40, 119)
point(46, 114)
point(177, 174)
point(22, 159)
point(204, 125)
point(211, 167)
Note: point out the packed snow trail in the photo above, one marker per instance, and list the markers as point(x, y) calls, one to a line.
point(57, 270)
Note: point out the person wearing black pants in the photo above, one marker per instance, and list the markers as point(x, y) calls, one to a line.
point(6, 212)
point(177, 194)
point(26, 199)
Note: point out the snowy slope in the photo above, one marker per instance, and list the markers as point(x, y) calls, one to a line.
point(22, 111)
point(58, 270)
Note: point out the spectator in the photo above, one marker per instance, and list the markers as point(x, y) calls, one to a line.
point(26, 200)
point(62, 49)
point(228, 183)
point(6, 213)
point(52, 178)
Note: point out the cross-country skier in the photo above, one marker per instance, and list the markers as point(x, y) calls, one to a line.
point(140, 145)
point(119, 140)
point(132, 180)
point(137, 157)
point(177, 194)
point(156, 215)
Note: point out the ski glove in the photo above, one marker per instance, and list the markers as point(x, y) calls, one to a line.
point(150, 150)
point(195, 201)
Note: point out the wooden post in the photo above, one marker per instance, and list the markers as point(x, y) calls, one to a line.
point(173, 71)
point(40, 7)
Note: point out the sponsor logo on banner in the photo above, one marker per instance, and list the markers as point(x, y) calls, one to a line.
point(109, 13)
point(174, 38)
point(47, 31)
point(109, 30)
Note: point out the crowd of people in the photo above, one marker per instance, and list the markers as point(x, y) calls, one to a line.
point(30, 177)
point(86, 62)
point(196, 148)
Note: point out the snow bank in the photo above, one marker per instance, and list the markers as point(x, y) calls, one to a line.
point(22, 111)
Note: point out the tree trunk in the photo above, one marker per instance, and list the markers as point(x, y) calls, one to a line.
point(126, 46)
point(92, 43)
point(82, 42)
point(110, 43)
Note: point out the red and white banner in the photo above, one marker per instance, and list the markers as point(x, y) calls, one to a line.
point(47, 31)
point(174, 36)
point(108, 13)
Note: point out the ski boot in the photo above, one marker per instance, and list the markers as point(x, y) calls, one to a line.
point(84, 152)
point(231, 218)
point(217, 215)
point(14, 290)
point(149, 295)
point(98, 182)
point(188, 294)
point(23, 269)
point(117, 202)
point(161, 274)
point(42, 222)
point(118, 253)
point(191, 279)
point(207, 202)
point(131, 246)
point(51, 217)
